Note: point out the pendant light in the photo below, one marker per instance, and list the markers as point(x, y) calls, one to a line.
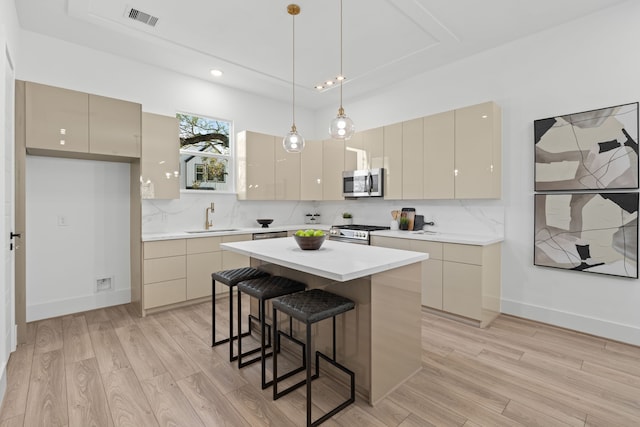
point(341, 127)
point(293, 142)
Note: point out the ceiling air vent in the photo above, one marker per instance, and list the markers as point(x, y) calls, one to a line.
point(140, 16)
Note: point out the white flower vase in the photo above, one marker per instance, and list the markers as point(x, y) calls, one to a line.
point(347, 221)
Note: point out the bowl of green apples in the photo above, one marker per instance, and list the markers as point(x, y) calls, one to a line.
point(310, 240)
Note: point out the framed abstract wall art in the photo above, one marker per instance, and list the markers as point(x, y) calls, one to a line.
point(592, 150)
point(587, 232)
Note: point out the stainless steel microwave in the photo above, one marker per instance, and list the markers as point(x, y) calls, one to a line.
point(363, 183)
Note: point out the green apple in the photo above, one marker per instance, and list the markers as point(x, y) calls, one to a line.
point(309, 233)
point(318, 233)
point(300, 233)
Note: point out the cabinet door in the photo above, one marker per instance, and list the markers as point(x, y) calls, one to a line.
point(412, 180)
point(56, 118)
point(432, 283)
point(163, 269)
point(438, 160)
point(256, 166)
point(462, 289)
point(163, 293)
point(164, 248)
point(393, 161)
point(232, 259)
point(477, 166)
point(311, 180)
point(203, 244)
point(332, 168)
point(160, 157)
point(355, 156)
point(114, 127)
point(287, 174)
point(373, 142)
point(199, 269)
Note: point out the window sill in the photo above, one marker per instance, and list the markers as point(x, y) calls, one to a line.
point(208, 192)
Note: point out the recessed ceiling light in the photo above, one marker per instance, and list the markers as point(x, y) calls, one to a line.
point(339, 78)
point(216, 73)
point(319, 87)
point(329, 82)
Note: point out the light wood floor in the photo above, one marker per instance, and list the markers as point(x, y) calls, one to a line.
point(109, 368)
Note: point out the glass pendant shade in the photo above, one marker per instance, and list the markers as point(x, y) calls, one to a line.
point(293, 142)
point(342, 127)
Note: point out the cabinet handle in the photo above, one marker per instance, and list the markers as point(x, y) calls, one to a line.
point(12, 235)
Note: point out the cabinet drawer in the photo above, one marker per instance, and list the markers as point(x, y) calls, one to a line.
point(434, 249)
point(163, 269)
point(236, 238)
point(391, 242)
point(163, 293)
point(164, 248)
point(467, 254)
point(203, 244)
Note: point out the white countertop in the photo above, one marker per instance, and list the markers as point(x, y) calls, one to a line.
point(334, 260)
point(226, 231)
point(465, 239)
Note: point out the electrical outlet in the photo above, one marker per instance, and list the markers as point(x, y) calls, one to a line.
point(62, 221)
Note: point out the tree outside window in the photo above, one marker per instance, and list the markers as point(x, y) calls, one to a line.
point(205, 153)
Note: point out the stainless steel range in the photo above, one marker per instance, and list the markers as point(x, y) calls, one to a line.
point(353, 233)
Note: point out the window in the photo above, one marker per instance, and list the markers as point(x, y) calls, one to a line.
point(206, 155)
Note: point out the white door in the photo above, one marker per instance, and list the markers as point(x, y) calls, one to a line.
point(8, 331)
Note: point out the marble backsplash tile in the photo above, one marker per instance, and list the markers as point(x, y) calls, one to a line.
point(480, 217)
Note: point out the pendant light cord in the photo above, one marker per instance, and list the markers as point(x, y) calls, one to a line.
point(341, 75)
point(293, 72)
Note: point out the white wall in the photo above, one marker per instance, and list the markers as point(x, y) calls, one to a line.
point(78, 231)
point(590, 63)
point(8, 42)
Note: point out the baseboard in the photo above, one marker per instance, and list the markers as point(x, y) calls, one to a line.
point(78, 304)
point(590, 325)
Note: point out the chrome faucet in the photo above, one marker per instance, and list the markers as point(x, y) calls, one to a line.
point(209, 222)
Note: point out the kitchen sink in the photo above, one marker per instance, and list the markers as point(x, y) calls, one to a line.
point(213, 230)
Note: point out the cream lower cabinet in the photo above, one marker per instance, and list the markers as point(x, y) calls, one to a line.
point(164, 273)
point(460, 279)
point(178, 271)
point(471, 281)
point(203, 258)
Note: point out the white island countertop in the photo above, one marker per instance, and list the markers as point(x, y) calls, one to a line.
point(334, 260)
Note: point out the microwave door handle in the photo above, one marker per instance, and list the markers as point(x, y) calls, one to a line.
point(370, 183)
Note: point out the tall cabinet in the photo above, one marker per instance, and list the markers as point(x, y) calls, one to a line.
point(438, 156)
point(256, 167)
point(160, 160)
point(311, 174)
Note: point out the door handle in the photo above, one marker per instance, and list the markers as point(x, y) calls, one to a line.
point(12, 235)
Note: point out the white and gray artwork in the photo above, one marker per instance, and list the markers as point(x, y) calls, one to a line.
point(592, 150)
point(593, 233)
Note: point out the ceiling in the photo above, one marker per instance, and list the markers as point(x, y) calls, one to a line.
point(384, 41)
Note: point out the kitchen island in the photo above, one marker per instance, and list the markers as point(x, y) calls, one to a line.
point(380, 339)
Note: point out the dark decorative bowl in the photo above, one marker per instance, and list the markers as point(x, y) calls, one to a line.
point(310, 243)
point(265, 222)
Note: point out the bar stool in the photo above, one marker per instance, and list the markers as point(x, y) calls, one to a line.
point(311, 307)
point(263, 289)
point(230, 278)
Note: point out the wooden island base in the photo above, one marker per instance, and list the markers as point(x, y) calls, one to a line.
point(380, 339)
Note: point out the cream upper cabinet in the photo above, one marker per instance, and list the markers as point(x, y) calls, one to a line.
point(256, 166)
point(56, 119)
point(373, 142)
point(160, 159)
point(91, 126)
point(332, 168)
point(311, 178)
point(354, 153)
point(114, 127)
point(365, 150)
point(478, 154)
point(412, 157)
point(438, 155)
point(287, 173)
point(393, 161)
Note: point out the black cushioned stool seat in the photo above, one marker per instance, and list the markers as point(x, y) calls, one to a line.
point(310, 307)
point(230, 278)
point(263, 289)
